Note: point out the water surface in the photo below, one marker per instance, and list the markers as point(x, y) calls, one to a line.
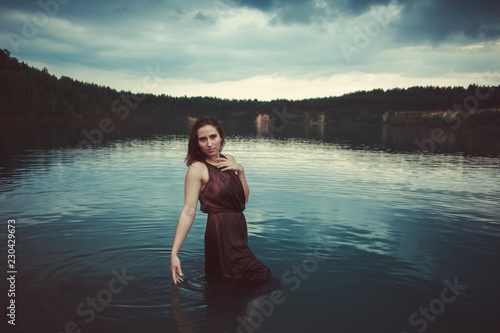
point(362, 229)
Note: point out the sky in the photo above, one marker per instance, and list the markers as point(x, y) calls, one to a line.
point(257, 49)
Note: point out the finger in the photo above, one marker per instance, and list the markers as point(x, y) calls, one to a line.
point(179, 274)
point(177, 279)
point(176, 273)
point(223, 162)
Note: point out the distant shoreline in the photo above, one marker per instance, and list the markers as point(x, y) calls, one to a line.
point(32, 94)
point(404, 123)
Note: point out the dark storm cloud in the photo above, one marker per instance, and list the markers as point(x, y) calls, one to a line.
point(439, 20)
point(234, 48)
point(263, 5)
point(286, 10)
point(356, 7)
point(305, 11)
point(428, 20)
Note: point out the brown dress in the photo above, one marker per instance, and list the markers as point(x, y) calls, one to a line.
point(227, 255)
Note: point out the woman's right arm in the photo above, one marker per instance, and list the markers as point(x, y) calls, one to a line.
point(192, 188)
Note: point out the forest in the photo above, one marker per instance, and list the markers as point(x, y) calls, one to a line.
point(28, 93)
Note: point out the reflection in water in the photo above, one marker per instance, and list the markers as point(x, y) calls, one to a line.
point(17, 137)
point(262, 124)
point(398, 222)
point(229, 305)
point(182, 321)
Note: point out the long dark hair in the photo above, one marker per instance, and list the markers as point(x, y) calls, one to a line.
point(194, 152)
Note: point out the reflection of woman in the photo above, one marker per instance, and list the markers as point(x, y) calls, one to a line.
point(219, 182)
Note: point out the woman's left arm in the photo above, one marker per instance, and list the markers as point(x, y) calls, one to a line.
point(231, 164)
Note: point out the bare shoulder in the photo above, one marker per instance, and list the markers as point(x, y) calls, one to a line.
point(230, 157)
point(197, 170)
point(196, 165)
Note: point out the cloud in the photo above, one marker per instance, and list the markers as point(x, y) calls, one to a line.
point(425, 20)
point(310, 11)
point(204, 18)
point(263, 5)
point(442, 20)
point(225, 47)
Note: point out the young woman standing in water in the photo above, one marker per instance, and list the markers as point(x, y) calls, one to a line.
point(219, 182)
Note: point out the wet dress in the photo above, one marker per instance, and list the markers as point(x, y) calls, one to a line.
point(227, 255)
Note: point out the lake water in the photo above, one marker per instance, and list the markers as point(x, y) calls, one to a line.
point(365, 232)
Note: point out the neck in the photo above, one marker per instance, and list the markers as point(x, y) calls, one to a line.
point(212, 159)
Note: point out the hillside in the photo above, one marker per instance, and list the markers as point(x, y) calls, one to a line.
point(27, 93)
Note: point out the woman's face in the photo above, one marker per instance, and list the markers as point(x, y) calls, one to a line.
point(209, 140)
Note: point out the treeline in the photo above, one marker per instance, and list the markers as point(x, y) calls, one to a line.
point(30, 93)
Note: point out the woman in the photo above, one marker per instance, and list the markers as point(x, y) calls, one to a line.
point(219, 182)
